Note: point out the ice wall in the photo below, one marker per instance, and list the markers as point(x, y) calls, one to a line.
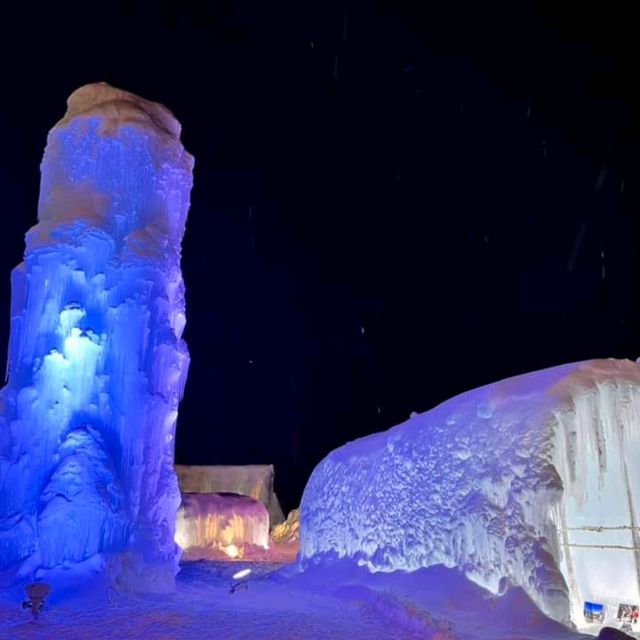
point(531, 481)
point(96, 363)
point(221, 521)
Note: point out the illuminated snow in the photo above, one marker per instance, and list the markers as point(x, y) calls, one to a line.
point(532, 481)
point(97, 364)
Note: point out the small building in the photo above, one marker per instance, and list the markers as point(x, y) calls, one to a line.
point(254, 480)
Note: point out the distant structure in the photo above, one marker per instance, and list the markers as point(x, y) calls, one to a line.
point(97, 364)
point(254, 480)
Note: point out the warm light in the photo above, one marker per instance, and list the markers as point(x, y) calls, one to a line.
point(231, 550)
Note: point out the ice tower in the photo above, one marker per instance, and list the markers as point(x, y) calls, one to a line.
point(96, 362)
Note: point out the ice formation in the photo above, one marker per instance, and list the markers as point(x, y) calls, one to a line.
point(96, 363)
point(285, 538)
point(255, 480)
point(288, 532)
point(224, 522)
point(533, 481)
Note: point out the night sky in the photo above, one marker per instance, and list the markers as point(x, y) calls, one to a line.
point(391, 205)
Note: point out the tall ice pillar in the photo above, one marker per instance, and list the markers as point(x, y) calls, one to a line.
point(96, 363)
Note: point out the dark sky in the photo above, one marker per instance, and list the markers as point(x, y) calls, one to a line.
point(391, 205)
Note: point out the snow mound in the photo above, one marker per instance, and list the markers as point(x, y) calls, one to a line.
point(531, 481)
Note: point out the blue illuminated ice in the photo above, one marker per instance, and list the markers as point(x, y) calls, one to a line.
point(96, 363)
point(533, 481)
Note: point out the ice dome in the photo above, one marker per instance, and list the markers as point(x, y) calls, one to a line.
point(532, 481)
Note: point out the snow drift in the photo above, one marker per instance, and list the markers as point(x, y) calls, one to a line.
point(532, 481)
point(97, 364)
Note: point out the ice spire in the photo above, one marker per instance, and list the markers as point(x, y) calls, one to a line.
point(97, 364)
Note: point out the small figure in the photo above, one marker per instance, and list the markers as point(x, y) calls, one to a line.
point(238, 585)
point(36, 595)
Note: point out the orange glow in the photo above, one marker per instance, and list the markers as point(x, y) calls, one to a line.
point(232, 551)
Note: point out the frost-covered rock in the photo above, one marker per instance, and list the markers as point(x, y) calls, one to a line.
point(533, 481)
point(97, 364)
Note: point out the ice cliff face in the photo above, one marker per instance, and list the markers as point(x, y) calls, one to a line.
point(532, 481)
point(97, 364)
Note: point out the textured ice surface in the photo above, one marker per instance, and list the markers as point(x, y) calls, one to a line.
point(97, 364)
point(532, 481)
point(255, 480)
point(225, 521)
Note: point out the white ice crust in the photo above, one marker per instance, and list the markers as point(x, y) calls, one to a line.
point(533, 481)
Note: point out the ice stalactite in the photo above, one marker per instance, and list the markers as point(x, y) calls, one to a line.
point(96, 363)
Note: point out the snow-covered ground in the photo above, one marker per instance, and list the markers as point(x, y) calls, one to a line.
point(280, 602)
